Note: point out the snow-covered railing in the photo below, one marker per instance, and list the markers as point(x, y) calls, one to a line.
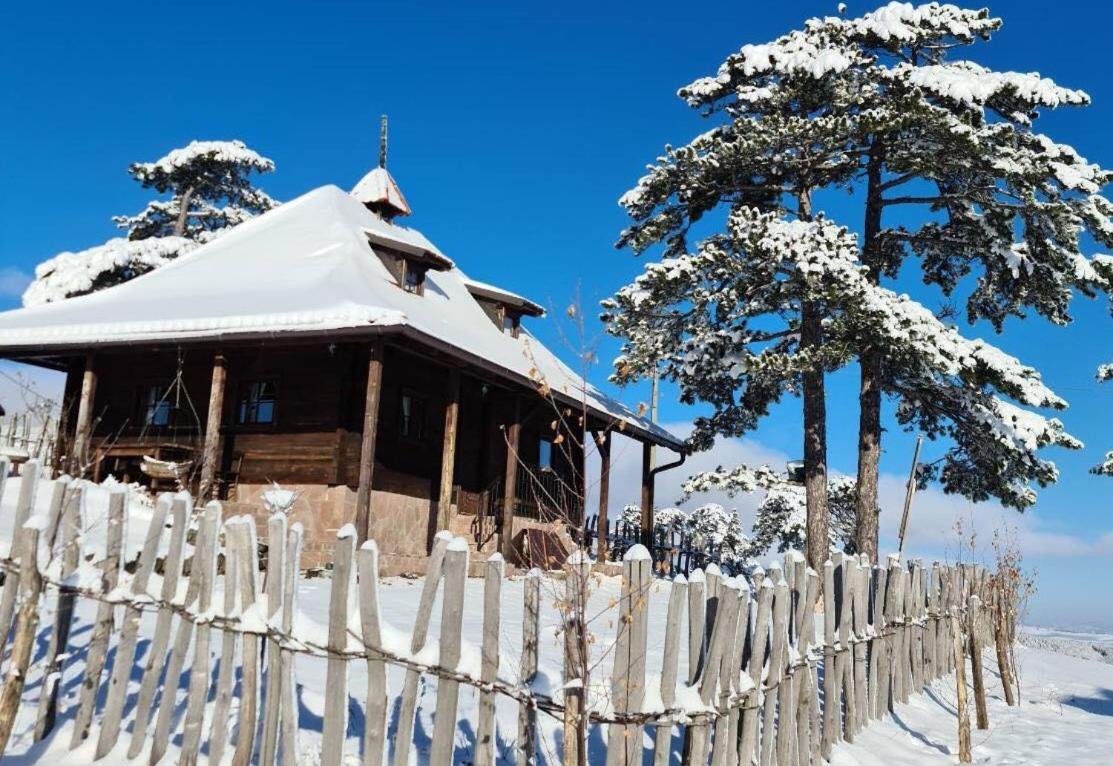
point(749, 691)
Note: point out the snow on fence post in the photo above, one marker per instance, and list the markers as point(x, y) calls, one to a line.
point(697, 620)
point(662, 737)
point(105, 624)
point(70, 522)
point(624, 742)
point(218, 733)
point(721, 636)
point(288, 722)
point(181, 508)
point(27, 619)
point(335, 725)
point(782, 670)
point(452, 620)
point(276, 580)
point(248, 557)
point(526, 754)
point(28, 486)
point(713, 581)
point(577, 569)
point(374, 734)
point(204, 569)
point(405, 728)
point(492, 610)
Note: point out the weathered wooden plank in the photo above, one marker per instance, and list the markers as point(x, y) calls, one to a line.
point(181, 509)
point(335, 726)
point(218, 733)
point(27, 620)
point(204, 568)
point(288, 726)
point(778, 648)
point(25, 502)
point(372, 398)
point(248, 557)
point(577, 570)
point(210, 454)
point(697, 620)
point(103, 627)
point(452, 618)
point(725, 742)
point(509, 487)
point(492, 592)
point(403, 739)
point(662, 740)
point(83, 427)
point(160, 739)
point(624, 742)
point(275, 582)
point(63, 541)
point(830, 685)
point(374, 735)
point(748, 749)
point(721, 636)
point(974, 617)
point(448, 448)
point(526, 751)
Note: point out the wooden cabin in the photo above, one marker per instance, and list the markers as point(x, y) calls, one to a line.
point(325, 348)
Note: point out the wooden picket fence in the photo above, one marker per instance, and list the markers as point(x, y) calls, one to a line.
point(770, 690)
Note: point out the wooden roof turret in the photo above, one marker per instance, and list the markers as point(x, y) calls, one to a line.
point(378, 191)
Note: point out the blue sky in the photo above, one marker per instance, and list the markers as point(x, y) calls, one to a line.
point(515, 128)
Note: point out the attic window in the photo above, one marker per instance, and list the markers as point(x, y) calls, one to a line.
point(511, 323)
point(413, 279)
point(407, 269)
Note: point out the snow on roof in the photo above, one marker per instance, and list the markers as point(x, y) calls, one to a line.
point(379, 188)
point(486, 290)
point(304, 267)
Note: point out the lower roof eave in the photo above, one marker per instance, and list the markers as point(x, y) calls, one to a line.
point(41, 355)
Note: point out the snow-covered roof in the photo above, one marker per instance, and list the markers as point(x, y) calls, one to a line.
point(495, 293)
point(306, 267)
point(379, 188)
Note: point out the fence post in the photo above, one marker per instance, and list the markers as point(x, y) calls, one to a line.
point(452, 616)
point(492, 609)
point(662, 737)
point(336, 676)
point(527, 715)
point(577, 569)
point(102, 631)
point(248, 558)
point(218, 733)
point(204, 568)
point(374, 734)
point(70, 522)
point(30, 586)
point(721, 637)
point(288, 725)
point(726, 742)
point(830, 687)
point(624, 744)
point(181, 508)
point(974, 617)
point(24, 505)
point(749, 735)
point(276, 580)
point(405, 729)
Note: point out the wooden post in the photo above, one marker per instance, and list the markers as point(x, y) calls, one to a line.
point(974, 617)
point(510, 484)
point(452, 620)
point(84, 430)
point(526, 752)
point(624, 742)
point(98, 644)
point(204, 568)
point(448, 452)
point(721, 636)
point(335, 727)
point(374, 734)
point(288, 723)
point(367, 444)
point(964, 755)
point(218, 732)
point(248, 557)
point(211, 456)
point(662, 739)
point(276, 581)
point(577, 569)
point(492, 610)
point(749, 737)
point(647, 495)
point(30, 586)
point(602, 552)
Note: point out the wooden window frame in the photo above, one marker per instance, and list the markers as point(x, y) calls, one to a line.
point(142, 406)
point(415, 396)
point(243, 388)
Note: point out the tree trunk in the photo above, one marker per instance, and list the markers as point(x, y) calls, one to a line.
point(183, 213)
point(815, 440)
point(869, 390)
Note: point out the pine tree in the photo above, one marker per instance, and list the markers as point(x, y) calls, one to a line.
point(210, 191)
point(872, 106)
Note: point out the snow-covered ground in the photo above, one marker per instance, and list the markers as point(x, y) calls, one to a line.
point(1065, 716)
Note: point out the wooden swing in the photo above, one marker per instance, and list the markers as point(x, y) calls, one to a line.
point(180, 469)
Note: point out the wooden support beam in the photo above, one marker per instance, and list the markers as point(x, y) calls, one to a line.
point(84, 429)
point(448, 453)
point(603, 441)
point(367, 445)
point(647, 494)
point(211, 456)
point(510, 483)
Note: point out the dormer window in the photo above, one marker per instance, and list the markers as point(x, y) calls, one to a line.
point(511, 323)
point(407, 264)
point(503, 308)
point(413, 278)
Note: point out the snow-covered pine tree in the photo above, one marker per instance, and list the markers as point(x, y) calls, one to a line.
point(876, 103)
point(1104, 265)
point(210, 191)
point(780, 522)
